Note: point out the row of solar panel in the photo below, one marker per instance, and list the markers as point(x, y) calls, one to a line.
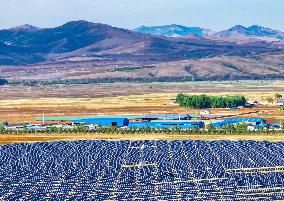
point(169, 170)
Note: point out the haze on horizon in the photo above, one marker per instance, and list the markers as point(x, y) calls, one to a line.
point(213, 14)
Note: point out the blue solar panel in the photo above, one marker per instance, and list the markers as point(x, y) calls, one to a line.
point(142, 170)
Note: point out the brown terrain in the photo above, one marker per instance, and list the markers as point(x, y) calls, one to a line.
point(21, 104)
point(95, 52)
point(216, 68)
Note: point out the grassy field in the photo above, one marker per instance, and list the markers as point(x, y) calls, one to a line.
point(24, 138)
point(28, 109)
point(21, 104)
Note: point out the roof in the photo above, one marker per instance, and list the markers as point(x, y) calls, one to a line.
point(98, 120)
point(166, 116)
point(167, 124)
point(239, 120)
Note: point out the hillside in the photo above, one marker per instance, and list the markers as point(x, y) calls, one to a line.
point(82, 50)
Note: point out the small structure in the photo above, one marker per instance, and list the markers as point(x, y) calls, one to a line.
point(3, 123)
point(275, 126)
point(249, 105)
point(14, 127)
point(117, 122)
point(166, 117)
point(280, 102)
point(205, 112)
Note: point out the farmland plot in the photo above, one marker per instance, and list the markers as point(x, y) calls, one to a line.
point(142, 170)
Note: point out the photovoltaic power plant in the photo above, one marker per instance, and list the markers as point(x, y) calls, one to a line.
point(142, 170)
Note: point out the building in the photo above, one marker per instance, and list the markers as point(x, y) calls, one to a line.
point(167, 124)
point(3, 123)
point(248, 121)
point(205, 112)
point(118, 122)
point(166, 117)
point(280, 102)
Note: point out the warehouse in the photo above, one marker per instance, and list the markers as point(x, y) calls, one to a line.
point(118, 122)
point(166, 117)
point(248, 121)
point(167, 124)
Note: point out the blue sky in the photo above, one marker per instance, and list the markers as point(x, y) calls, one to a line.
point(213, 14)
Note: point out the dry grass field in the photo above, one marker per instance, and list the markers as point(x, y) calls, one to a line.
point(24, 138)
point(22, 104)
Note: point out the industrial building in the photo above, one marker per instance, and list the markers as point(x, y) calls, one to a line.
point(248, 121)
point(160, 121)
point(152, 117)
point(118, 122)
point(167, 124)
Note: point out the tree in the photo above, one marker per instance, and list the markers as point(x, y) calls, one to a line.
point(204, 101)
point(211, 128)
point(277, 96)
point(241, 128)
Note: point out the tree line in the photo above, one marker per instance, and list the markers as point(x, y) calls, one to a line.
point(204, 101)
point(228, 129)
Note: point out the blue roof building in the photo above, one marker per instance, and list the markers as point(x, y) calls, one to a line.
point(166, 117)
point(256, 121)
point(167, 124)
point(280, 102)
point(119, 122)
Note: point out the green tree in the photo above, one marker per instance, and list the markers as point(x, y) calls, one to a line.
point(277, 96)
point(204, 101)
point(241, 128)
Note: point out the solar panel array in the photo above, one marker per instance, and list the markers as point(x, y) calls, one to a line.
point(142, 170)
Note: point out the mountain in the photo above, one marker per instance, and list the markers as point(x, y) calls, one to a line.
point(173, 30)
point(77, 39)
point(93, 51)
point(254, 31)
point(24, 28)
point(45, 43)
point(235, 33)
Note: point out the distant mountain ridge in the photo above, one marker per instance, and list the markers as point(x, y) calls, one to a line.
point(173, 30)
point(94, 52)
point(236, 31)
point(252, 31)
point(78, 41)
